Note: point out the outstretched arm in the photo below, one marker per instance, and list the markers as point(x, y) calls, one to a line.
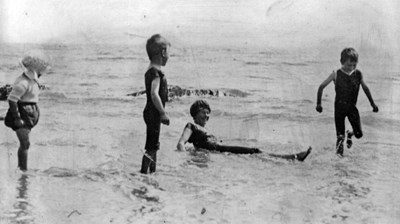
point(368, 93)
point(330, 78)
point(187, 132)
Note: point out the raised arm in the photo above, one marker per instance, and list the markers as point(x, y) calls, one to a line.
point(155, 86)
point(369, 96)
point(187, 132)
point(330, 78)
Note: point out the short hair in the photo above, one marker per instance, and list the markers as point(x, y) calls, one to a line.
point(155, 44)
point(197, 106)
point(348, 54)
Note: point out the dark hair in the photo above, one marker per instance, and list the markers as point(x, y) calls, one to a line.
point(197, 105)
point(348, 54)
point(155, 44)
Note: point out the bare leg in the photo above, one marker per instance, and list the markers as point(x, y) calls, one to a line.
point(24, 144)
point(299, 156)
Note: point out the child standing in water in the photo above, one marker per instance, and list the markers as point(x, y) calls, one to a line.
point(157, 94)
point(23, 113)
point(347, 81)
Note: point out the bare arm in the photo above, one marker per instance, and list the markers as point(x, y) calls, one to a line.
point(18, 122)
point(14, 109)
point(155, 86)
point(155, 98)
point(187, 132)
point(369, 96)
point(330, 78)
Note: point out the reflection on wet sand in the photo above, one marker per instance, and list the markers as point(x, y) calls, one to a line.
point(22, 207)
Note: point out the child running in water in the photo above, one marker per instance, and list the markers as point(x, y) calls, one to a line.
point(23, 113)
point(157, 94)
point(347, 81)
point(197, 134)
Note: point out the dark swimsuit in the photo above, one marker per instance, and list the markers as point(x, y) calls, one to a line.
point(200, 138)
point(150, 114)
point(347, 88)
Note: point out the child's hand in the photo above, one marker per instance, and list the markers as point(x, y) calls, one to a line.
point(18, 122)
point(319, 108)
point(164, 119)
point(375, 108)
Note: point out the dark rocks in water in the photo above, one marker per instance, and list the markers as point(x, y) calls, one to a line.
point(6, 90)
point(177, 91)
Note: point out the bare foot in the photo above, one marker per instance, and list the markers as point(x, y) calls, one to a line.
point(349, 142)
point(303, 155)
point(339, 146)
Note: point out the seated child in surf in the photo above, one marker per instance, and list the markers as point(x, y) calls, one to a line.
point(198, 135)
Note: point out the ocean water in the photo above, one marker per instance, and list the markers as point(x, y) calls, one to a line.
point(86, 150)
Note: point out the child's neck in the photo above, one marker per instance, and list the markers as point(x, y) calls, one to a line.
point(199, 124)
point(347, 72)
point(155, 65)
point(31, 74)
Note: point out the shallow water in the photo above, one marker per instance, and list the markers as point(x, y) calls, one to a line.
point(86, 150)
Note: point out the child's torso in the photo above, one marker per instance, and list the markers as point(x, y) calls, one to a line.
point(149, 76)
point(347, 87)
point(32, 91)
point(200, 136)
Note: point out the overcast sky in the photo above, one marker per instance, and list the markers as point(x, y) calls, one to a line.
point(209, 21)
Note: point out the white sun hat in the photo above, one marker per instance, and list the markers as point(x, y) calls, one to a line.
point(34, 64)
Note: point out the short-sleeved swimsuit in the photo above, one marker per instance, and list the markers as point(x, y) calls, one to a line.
point(150, 114)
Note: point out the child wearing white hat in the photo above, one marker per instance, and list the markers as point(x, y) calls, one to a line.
point(23, 113)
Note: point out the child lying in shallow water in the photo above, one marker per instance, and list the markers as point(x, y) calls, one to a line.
point(197, 134)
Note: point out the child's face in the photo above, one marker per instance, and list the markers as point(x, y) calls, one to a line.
point(202, 117)
point(164, 56)
point(41, 72)
point(349, 66)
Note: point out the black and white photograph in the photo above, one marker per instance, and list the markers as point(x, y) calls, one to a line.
point(199, 111)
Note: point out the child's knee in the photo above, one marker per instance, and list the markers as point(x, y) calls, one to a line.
point(340, 137)
point(25, 144)
point(358, 134)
